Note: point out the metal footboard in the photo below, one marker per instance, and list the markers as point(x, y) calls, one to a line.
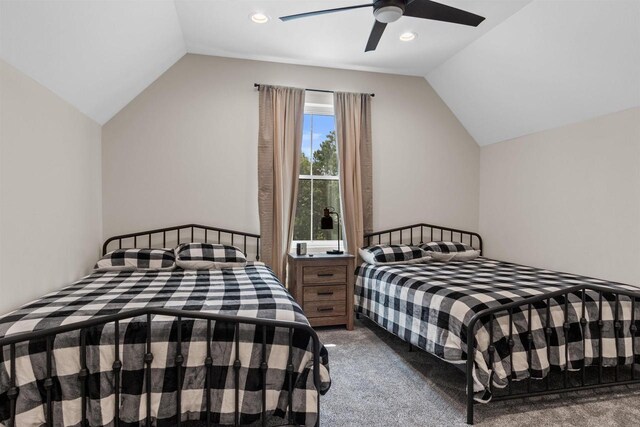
point(261, 325)
point(489, 315)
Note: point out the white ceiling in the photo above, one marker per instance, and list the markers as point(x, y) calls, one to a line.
point(99, 54)
point(96, 54)
point(551, 64)
point(531, 65)
point(337, 40)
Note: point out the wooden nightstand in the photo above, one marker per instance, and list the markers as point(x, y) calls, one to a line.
point(323, 286)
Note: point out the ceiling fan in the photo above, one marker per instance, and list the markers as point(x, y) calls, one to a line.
point(387, 11)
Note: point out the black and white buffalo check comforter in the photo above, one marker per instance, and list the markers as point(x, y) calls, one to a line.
point(252, 291)
point(430, 306)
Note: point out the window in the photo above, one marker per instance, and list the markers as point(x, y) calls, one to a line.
point(319, 184)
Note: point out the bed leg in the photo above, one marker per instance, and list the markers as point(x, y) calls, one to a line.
point(470, 401)
point(318, 403)
point(469, 369)
point(357, 315)
point(470, 410)
point(410, 348)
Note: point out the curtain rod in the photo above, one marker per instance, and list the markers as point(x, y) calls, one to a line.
point(257, 85)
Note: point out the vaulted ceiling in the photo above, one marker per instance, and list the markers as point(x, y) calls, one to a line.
point(96, 55)
point(551, 64)
point(337, 40)
point(529, 66)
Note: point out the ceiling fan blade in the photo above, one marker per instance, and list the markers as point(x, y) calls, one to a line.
point(375, 36)
point(427, 9)
point(322, 12)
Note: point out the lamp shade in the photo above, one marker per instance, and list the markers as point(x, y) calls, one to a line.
point(326, 222)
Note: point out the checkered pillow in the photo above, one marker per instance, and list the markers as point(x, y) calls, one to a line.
point(137, 259)
point(446, 247)
point(393, 254)
point(450, 251)
point(207, 256)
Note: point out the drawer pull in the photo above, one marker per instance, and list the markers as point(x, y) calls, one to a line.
point(325, 308)
point(325, 293)
point(325, 274)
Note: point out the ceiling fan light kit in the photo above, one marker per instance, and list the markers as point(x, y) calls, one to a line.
point(387, 14)
point(388, 11)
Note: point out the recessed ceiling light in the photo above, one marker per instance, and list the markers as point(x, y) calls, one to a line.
point(259, 18)
point(407, 37)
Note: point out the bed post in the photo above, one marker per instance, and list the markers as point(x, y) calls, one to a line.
point(469, 368)
point(470, 401)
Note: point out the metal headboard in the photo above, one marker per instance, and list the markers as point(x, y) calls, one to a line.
point(188, 233)
point(423, 233)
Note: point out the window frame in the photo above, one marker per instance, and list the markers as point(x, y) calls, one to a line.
point(320, 108)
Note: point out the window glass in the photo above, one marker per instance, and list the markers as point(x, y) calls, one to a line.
point(318, 185)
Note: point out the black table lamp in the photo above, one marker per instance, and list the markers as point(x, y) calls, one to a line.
point(326, 223)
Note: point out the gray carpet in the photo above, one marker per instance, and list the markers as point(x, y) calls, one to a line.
point(378, 382)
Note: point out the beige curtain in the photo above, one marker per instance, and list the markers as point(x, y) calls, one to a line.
point(279, 145)
point(353, 131)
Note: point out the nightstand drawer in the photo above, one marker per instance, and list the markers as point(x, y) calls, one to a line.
point(326, 274)
point(325, 309)
point(325, 293)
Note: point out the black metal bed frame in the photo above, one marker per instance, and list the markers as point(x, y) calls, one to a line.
point(525, 306)
point(48, 336)
point(424, 230)
point(218, 237)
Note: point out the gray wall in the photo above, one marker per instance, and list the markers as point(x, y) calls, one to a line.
point(50, 193)
point(567, 199)
point(185, 149)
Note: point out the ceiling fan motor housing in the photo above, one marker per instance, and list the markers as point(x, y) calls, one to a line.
point(387, 11)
